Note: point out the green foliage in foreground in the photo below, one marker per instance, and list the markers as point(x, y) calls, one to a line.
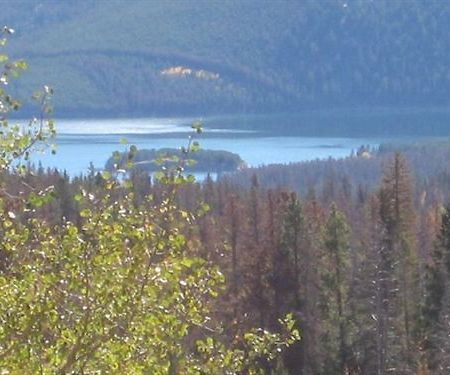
point(119, 292)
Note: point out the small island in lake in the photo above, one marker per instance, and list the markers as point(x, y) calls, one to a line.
point(204, 161)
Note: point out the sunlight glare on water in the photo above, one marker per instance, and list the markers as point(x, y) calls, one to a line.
point(80, 142)
point(125, 126)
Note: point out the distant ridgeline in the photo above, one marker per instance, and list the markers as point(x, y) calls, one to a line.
point(206, 161)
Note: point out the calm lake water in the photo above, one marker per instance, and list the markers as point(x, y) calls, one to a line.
point(261, 139)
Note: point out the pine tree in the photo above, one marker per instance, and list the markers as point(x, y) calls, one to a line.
point(363, 293)
point(257, 259)
point(300, 297)
point(398, 269)
point(435, 310)
point(443, 334)
point(335, 285)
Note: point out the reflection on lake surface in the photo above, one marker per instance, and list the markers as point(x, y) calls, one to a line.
point(257, 139)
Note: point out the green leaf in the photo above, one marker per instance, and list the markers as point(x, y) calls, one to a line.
point(85, 213)
point(78, 197)
point(106, 175)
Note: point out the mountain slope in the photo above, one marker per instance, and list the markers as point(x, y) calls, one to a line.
point(108, 57)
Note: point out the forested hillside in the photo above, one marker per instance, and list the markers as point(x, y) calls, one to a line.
point(360, 259)
point(165, 57)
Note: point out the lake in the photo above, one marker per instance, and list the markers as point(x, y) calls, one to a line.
point(258, 139)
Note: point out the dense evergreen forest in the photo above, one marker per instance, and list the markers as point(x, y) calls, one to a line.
point(359, 254)
point(165, 57)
